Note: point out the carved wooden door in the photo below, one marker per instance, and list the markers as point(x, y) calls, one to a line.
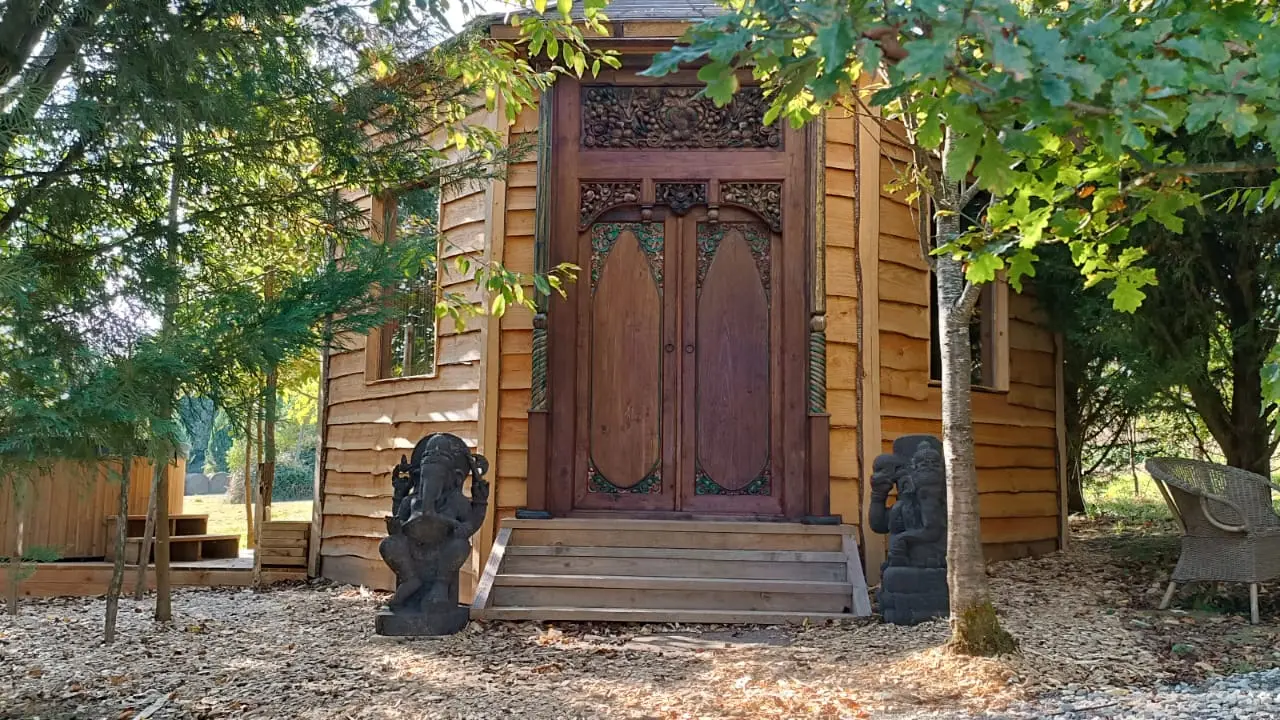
point(677, 360)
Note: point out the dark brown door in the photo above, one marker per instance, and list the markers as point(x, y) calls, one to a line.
point(675, 384)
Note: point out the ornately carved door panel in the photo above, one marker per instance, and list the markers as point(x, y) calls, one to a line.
point(672, 352)
point(627, 334)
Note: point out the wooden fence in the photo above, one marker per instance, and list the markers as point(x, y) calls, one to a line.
point(66, 508)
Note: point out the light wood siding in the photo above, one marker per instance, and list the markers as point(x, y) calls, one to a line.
point(515, 373)
point(371, 423)
point(842, 314)
point(65, 509)
point(1015, 431)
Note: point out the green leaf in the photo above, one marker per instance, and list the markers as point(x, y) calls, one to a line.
point(835, 40)
point(499, 306)
point(1201, 112)
point(540, 6)
point(964, 148)
point(983, 268)
point(1021, 264)
point(925, 57)
point(930, 133)
point(1127, 296)
point(721, 82)
point(563, 6)
point(1240, 120)
point(1056, 90)
point(1012, 58)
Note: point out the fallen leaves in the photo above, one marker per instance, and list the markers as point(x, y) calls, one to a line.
point(1083, 619)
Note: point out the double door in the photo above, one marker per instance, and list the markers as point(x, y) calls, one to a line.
point(678, 351)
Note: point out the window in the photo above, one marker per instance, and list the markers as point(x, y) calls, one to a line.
point(987, 326)
point(407, 343)
point(982, 336)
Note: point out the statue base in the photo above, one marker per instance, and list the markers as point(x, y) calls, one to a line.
point(910, 595)
point(442, 619)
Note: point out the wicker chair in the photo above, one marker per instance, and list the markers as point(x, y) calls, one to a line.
point(1230, 529)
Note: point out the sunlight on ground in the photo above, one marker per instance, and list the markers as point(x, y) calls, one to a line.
point(1117, 497)
point(228, 518)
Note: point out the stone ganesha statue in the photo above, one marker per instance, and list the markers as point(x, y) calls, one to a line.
point(428, 535)
point(913, 584)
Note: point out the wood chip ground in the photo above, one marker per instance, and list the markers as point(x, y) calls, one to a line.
point(310, 652)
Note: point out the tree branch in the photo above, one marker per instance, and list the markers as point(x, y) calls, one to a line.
point(15, 211)
point(65, 47)
point(968, 298)
point(20, 30)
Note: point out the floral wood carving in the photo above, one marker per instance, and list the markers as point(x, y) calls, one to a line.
point(680, 197)
point(594, 198)
point(762, 197)
point(674, 118)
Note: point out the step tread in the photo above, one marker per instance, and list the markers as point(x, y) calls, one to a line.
point(189, 538)
point(641, 582)
point(760, 617)
point(679, 553)
point(684, 526)
point(194, 516)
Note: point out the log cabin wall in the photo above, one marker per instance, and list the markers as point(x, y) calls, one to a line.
point(65, 509)
point(842, 313)
point(1014, 427)
point(370, 423)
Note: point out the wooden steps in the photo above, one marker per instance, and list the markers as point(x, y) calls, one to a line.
point(284, 543)
point(189, 540)
point(671, 571)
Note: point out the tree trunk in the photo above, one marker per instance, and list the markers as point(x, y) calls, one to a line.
point(148, 534)
point(259, 516)
point(164, 600)
point(122, 537)
point(975, 628)
point(248, 478)
point(1075, 448)
point(270, 411)
point(15, 562)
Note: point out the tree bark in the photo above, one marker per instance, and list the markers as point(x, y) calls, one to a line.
point(148, 534)
point(248, 478)
point(164, 599)
point(122, 537)
point(15, 562)
point(975, 628)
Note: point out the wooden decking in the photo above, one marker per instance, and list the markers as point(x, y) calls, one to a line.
point(85, 579)
point(671, 571)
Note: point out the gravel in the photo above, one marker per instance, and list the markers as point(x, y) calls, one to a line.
point(1247, 696)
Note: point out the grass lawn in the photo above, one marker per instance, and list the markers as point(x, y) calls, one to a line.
point(1115, 498)
point(228, 518)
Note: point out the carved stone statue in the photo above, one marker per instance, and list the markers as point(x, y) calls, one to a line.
point(913, 580)
point(428, 535)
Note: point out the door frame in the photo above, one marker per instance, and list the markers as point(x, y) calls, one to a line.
point(552, 415)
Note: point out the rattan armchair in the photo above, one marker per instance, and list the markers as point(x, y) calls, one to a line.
point(1230, 529)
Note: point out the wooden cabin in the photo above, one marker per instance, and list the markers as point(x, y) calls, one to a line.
point(686, 435)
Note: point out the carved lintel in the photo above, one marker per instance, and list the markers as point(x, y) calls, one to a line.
point(764, 198)
point(674, 117)
point(680, 196)
point(596, 197)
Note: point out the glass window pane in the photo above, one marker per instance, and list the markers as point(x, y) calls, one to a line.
point(411, 337)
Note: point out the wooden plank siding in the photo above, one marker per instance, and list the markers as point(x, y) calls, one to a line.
point(515, 375)
point(842, 313)
point(1015, 430)
point(371, 423)
point(65, 508)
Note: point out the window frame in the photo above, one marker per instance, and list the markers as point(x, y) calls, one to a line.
point(383, 225)
point(994, 332)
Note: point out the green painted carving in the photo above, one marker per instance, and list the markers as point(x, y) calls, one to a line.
point(761, 485)
point(650, 483)
point(605, 235)
point(758, 240)
point(818, 369)
point(542, 250)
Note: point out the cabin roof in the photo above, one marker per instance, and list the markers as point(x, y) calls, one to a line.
point(633, 10)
